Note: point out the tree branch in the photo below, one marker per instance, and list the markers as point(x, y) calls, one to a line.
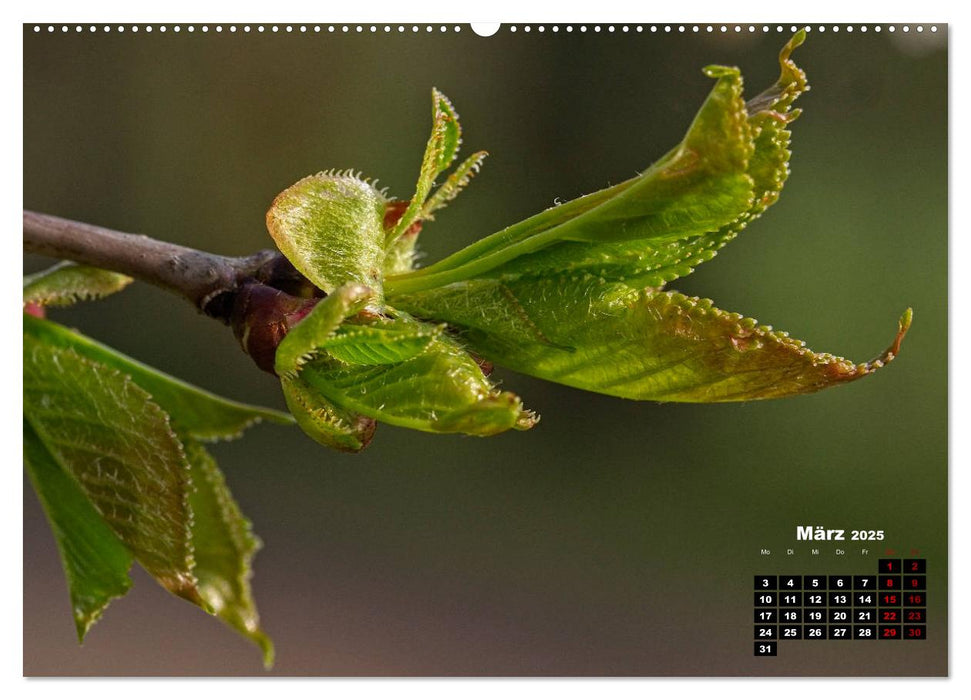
point(197, 276)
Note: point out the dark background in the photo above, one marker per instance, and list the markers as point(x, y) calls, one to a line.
point(614, 538)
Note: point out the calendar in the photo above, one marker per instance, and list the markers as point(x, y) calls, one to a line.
point(885, 604)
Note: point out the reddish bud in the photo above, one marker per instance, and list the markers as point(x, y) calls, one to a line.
point(35, 310)
point(262, 316)
point(393, 212)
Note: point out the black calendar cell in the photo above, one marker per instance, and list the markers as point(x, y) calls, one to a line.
point(864, 632)
point(766, 616)
point(790, 600)
point(764, 599)
point(840, 632)
point(840, 583)
point(864, 616)
point(890, 616)
point(915, 566)
point(766, 583)
point(814, 632)
point(814, 583)
point(840, 616)
point(766, 632)
point(790, 632)
point(790, 616)
point(915, 600)
point(813, 616)
point(790, 583)
point(888, 631)
point(915, 583)
point(890, 566)
point(916, 616)
point(839, 599)
point(915, 631)
point(814, 600)
point(766, 649)
point(889, 583)
point(864, 583)
point(890, 599)
point(864, 600)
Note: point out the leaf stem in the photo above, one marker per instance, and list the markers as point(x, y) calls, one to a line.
point(195, 275)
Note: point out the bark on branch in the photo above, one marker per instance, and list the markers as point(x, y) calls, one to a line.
point(197, 276)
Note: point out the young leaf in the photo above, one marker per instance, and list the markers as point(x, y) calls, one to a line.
point(118, 445)
point(440, 151)
point(194, 412)
point(438, 389)
point(455, 183)
point(331, 227)
point(330, 425)
point(303, 341)
point(224, 545)
point(636, 344)
point(96, 563)
point(658, 226)
point(67, 283)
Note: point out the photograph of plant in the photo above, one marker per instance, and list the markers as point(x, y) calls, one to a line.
point(608, 539)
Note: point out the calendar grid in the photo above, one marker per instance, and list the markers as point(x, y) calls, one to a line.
point(888, 605)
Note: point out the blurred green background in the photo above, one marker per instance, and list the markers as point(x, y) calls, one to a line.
point(614, 538)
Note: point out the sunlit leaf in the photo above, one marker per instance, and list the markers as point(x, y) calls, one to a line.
point(440, 151)
point(224, 545)
point(96, 563)
point(194, 412)
point(331, 227)
point(637, 344)
point(438, 389)
point(67, 283)
point(658, 226)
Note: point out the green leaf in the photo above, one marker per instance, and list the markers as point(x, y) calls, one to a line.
point(637, 344)
point(224, 545)
point(440, 151)
point(67, 283)
point(660, 225)
point(302, 342)
point(330, 425)
point(95, 561)
point(331, 227)
point(194, 412)
point(455, 183)
point(439, 389)
point(108, 434)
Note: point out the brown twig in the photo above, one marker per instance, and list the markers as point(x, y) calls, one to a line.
point(202, 278)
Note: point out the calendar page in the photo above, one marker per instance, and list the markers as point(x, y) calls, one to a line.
point(702, 495)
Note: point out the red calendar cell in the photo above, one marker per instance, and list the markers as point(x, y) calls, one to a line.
point(889, 632)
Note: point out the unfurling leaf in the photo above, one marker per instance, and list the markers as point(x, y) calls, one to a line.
point(331, 227)
point(342, 369)
point(440, 151)
point(655, 227)
point(440, 388)
point(67, 283)
point(636, 344)
point(573, 294)
point(455, 183)
point(224, 545)
point(95, 561)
